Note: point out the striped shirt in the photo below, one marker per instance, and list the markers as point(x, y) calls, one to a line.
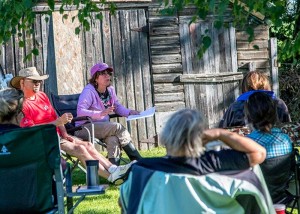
point(276, 143)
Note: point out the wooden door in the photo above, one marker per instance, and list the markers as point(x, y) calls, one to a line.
point(210, 83)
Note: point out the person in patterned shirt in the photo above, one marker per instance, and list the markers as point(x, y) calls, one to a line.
point(261, 113)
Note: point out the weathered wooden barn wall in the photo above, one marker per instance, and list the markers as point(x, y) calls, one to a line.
point(12, 57)
point(210, 84)
point(68, 54)
point(256, 52)
point(166, 65)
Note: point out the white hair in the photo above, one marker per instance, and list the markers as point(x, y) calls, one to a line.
point(182, 133)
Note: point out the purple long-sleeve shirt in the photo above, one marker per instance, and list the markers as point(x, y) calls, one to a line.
point(90, 104)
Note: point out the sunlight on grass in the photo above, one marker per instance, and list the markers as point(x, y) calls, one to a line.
point(108, 202)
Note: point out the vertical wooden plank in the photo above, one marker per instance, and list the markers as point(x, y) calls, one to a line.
point(106, 37)
point(118, 62)
point(97, 46)
point(195, 40)
point(218, 102)
point(205, 103)
point(129, 75)
point(119, 59)
point(273, 63)
point(88, 48)
point(229, 88)
point(211, 88)
point(234, 61)
point(10, 57)
point(38, 43)
point(29, 44)
point(137, 74)
point(186, 62)
point(147, 84)
point(19, 52)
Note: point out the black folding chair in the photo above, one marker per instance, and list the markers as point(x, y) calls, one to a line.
point(68, 103)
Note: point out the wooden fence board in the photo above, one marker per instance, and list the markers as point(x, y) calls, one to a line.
point(167, 68)
point(146, 76)
point(167, 87)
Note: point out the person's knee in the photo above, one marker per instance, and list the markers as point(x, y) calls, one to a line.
point(79, 149)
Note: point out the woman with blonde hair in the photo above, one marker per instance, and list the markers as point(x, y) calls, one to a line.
point(254, 81)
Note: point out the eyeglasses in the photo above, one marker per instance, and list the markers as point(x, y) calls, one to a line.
point(34, 81)
point(102, 73)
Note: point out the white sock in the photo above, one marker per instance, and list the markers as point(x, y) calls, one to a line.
point(112, 168)
point(109, 178)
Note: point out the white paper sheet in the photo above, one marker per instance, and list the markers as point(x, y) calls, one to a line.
point(147, 113)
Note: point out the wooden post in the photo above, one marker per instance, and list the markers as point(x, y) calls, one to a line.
point(273, 65)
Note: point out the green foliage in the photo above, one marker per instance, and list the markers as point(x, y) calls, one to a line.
point(17, 16)
point(287, 33)
point(289, 78)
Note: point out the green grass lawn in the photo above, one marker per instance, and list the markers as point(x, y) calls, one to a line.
point(106, 203)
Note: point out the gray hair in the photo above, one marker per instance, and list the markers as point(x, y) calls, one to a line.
point(11, 101)
point(182, 133)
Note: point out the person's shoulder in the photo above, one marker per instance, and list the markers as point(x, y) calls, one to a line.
point(42, 95)
point(111, 88)
point(88, 89)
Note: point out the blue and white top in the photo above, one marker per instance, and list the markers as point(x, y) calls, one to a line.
point(276, 142)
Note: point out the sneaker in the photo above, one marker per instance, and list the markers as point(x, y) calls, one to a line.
point(119, 175)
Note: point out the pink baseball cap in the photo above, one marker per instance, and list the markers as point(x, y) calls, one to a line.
point(101, 66)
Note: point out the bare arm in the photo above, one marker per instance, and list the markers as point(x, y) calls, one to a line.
point(255, 152)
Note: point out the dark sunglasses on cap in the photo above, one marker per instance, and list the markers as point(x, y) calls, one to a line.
point(35, 81)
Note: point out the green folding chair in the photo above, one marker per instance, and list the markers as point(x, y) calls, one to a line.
point(29, 157)
point(31, 174)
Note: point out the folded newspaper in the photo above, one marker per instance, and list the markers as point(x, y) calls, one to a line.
point(147, 113)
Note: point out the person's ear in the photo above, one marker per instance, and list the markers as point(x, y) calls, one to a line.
point(22, 84)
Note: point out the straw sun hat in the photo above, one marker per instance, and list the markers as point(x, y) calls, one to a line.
point(29, 73)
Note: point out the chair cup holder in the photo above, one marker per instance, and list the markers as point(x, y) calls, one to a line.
point(92, 178)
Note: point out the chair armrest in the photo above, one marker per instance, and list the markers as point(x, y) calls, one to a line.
point(81, 118)
point(114, 115)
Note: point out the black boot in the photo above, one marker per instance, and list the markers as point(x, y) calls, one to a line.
point(132, 152)
point(115, 161)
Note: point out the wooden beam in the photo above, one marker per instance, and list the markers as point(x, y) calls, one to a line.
point(211, 78)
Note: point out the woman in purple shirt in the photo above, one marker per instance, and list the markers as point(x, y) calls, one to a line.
point(97, 100)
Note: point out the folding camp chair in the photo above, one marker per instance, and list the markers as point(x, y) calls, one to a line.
point(68, 103)
point(29, 157)
point(225, 192)
point(293, 130)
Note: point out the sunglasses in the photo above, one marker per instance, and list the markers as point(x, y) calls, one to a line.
point(102, 73)
point(35, 81)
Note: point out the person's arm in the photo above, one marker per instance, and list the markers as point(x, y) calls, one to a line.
point(85, 101)
point(255, 152)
